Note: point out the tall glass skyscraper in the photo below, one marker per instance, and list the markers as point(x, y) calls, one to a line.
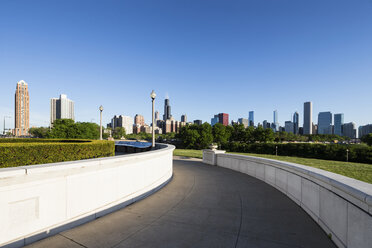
point(325, 123)
point(251, 118)
point(275, 123)
point(338, 122)
point(296, 121)
point(308, 118)
point(167, 110)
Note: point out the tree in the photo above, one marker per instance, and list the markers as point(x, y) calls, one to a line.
point(367, 139)
point(239, 133)
point(64, 129)
point(40, 132)
point(87, 130)
point(119, 132)
point(205, 135)
point(220, 134)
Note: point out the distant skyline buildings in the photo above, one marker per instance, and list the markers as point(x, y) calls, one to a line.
point(22, 109)
point(251, 118)
point(275, 124)
point(122, 121)
point(338, 124)
point(308, 118)
point(325, 123)
point(61, 108)
point(214, 120)
point(223, 118)
point(139, 120)
point(167, 110)
point(296, 123)
point(243, 121)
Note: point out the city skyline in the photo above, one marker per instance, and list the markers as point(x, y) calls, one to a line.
point(249, 60)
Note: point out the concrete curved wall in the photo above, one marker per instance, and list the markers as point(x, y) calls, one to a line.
point(42, 200)
point(342, 206)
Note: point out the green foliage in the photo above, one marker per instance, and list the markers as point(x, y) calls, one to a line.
point(139, 136)
point(367, 139)
point(220, 134)
point(19, 152)
point(357, 153)
point(196, 136)
point(118, 133)
point(39, 132)
point(68, 129)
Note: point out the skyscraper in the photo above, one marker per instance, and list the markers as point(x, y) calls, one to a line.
point(184, 118)
point(198, 122)
point(139, 120)
point(325, 123)
point(223, 118)
point(243, 121)
point(308, 117)
point(364, 130)
point(289, 127)
point(338, 122)
point(167, 110)
point(296, 121)
point(157, 116)
point(251, 118)
point(349, 130)
point(22, 109)
point(214, 120)
point(122, 121)
point(61, 108)
point(275, 123)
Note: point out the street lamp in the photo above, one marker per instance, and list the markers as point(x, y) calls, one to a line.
point(347, 155)
point(100, 122)
point(153, 95)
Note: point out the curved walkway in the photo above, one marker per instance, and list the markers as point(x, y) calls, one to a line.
point(203, 206)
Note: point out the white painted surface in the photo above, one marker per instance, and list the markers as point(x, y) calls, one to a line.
point(342, 206)
point(45, 199)
point(209, 156)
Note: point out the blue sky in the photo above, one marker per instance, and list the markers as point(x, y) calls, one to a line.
point(208, 56)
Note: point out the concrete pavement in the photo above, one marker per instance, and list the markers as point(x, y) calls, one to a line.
point(203, 206)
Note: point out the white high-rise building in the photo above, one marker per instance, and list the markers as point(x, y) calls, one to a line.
point(123, 121)
point(61, 108)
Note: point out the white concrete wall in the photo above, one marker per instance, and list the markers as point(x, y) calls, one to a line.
point(41, 200)
point(342, 206)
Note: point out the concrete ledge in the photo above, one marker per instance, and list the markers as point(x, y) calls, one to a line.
point(42, 200)
point(340, 205)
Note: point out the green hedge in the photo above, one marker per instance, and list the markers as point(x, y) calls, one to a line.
point(357, 153)
point(19, 152)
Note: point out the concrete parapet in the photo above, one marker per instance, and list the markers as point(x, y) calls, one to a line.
point(210, 156)
point(42, 200)
point(340, 205)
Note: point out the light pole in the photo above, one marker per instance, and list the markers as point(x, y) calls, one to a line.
point(347, 155)
point(153, 95)
point(4, 123)
point(100, 122)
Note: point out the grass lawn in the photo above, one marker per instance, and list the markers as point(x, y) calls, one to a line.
point(362, 172)
point(188, 153)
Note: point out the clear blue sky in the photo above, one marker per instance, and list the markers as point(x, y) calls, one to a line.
point(209, 56)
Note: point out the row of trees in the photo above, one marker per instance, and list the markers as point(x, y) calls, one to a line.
point(201, 136)
point(367, 139)
point(68, 129)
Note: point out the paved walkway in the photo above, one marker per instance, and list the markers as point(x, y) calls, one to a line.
point(203, 206)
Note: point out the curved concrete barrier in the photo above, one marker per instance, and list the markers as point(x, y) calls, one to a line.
point(342, 206)
point(42, 200)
